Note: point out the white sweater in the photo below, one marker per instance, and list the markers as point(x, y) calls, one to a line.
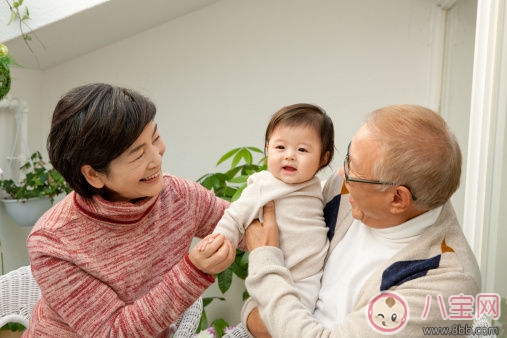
point(341, 285)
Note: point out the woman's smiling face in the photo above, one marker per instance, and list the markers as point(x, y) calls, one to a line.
point(137, 172)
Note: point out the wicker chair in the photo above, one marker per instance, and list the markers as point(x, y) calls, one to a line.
point(19, 292)
point(187, 324)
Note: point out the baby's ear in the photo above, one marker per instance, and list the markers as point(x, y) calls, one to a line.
point(94, 178)
point(325, 159)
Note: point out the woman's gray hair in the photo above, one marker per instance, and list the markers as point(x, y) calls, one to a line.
point(418, 150)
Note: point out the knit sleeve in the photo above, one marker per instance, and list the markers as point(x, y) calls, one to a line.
point(203, 205)
point(238, 216)
point(92, 308)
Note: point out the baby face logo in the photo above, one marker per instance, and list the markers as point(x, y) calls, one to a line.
point(387, 312)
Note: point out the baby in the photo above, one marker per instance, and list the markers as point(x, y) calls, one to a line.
point(299, 142)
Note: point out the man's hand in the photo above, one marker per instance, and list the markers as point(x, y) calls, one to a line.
point(213, 254)
point(263, 234)
point(256, 326)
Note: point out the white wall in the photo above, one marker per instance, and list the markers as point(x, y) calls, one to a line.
point(217, 74)
point(458, 60)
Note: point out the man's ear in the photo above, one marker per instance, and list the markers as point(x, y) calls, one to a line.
point(402, 199)
point(92, 176)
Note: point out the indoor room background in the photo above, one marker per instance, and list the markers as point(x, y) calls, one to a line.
point(217, 74)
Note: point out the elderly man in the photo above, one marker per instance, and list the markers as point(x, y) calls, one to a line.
point(398, 260)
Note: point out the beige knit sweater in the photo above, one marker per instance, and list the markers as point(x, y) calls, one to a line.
point(457, 272)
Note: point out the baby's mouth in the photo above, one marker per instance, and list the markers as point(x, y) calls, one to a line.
point(287, 168)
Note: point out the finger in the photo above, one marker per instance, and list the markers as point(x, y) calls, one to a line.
point(268, 212)
point(225, 252)
point(212, 245)
point(232, 251)
point(224, 257)
point(203, 243)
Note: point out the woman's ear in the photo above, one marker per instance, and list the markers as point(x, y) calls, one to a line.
point(92, 176)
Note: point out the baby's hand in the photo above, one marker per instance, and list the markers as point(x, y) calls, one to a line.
point(213, 254)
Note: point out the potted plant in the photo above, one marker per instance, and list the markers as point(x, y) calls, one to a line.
point(229, 185)
point(27, 200)
point(5, 75)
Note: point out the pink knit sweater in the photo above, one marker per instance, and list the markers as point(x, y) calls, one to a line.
point(119, 269)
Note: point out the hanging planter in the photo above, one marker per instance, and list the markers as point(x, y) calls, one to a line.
point(35, 193)
point(26, 212)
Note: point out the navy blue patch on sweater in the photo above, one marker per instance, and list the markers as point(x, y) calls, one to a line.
point(403, 271)
point(331, 215)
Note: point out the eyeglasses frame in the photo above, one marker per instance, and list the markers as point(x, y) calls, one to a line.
point(346, 170)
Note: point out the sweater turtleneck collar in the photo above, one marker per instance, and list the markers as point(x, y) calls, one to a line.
point(106, 211)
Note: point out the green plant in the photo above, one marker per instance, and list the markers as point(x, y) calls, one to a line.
point(5, 74)
point(229, 185)
point(14, 327)
point(39, 181)
point(21, 15)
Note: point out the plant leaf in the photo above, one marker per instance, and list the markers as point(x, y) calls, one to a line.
point(219, 325)
point(224, 280)
point(255, 150)
point(245, 295)
point(203, 322)
point(227, 155)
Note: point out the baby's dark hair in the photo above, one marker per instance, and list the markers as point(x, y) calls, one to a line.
point(304, 114)
point(94, 124)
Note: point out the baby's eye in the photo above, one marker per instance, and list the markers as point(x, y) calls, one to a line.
point(303, 150)
point(279, 147)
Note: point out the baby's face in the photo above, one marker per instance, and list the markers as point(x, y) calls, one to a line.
point(294, 153)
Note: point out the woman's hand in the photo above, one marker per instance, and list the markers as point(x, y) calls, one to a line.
point(263, 234)
point(213, 254)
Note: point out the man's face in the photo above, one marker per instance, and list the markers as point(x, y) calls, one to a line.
point(370, 205)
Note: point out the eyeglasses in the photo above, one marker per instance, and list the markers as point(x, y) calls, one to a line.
point(346, 170)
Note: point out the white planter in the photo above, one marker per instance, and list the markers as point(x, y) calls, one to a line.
point(27, 211)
